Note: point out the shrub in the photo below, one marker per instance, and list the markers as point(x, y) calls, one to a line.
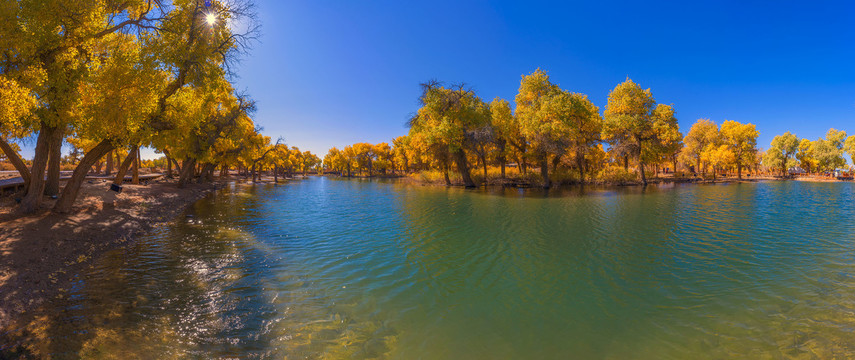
point(617, 175)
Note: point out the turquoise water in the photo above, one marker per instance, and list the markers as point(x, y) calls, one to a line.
point(327, 268)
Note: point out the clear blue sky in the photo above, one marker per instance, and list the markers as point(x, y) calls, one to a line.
point(331, 73)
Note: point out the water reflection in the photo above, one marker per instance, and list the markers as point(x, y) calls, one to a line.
point(327, 268)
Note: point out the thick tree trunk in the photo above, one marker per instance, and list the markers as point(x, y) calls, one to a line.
point(123, 168)
point(33, 200)
point(641, 170)
point(544, 171)
point(54, 158)
point(626, 162)
point(109, 169)
point(580, 162)
point(16, 161)
point(445, 174)
point(72, 187)
point(555, 162)
point(188, 169)
point(463, 168)
point(177, 165)
point(168, 167)
point(739, 171)
point(136, 178)
point(207, 173)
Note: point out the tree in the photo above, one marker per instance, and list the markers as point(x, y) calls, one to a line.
point(628, 124)
point(828, 152)
point(703, 133)
point(15, 121)
point(805, 155)
point(667, 142)
point(849, 147)
point(62, 59)
point(401, 153)
point(447, 120)
point(554, 120)
point(507, 132)
point(781, 154)
point(719, 156)
point(742, 141)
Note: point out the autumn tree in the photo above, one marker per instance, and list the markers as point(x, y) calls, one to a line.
point(718, 156)
point(668, 139)
point(448, 121)
point(508, 136)
point(782, 153)
point(742, 141)
point(702, 134)
point(628, 125)
point(828, 153)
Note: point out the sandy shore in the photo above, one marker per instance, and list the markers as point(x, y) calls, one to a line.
point(41, 253)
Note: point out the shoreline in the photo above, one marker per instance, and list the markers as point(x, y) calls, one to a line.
point(41, 254)
point(521, 183)
point(517, 182)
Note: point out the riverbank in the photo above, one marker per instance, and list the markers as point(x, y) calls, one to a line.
point(532, 180)
point(40, 254)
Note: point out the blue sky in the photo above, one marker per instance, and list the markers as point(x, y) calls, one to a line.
point(332, 73)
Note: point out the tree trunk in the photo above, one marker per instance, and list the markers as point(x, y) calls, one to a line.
point(123, 168)
point(109, 169)
point(177, 165)
point(33, 200)
point(136, 173)
point(739, 171)
point(445, 173)
point(544, 171)
point(206, 173)
point(72, 187)
point(580, 161)
point(641, 170)
point(463, 168)
point(54, 158)
point(484, 161)
point(16, 161)
point(626, 162)
point(168, 167)
point(188, 169)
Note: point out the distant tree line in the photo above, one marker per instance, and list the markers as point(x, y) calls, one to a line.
point(555, 130)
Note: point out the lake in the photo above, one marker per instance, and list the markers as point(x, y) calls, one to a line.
point(332, 268)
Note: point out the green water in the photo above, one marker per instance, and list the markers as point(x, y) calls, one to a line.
point(326, 268)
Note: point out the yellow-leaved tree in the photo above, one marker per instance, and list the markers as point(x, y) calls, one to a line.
point(741, 139)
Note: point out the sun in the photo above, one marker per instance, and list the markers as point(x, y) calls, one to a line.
point(211, 19)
